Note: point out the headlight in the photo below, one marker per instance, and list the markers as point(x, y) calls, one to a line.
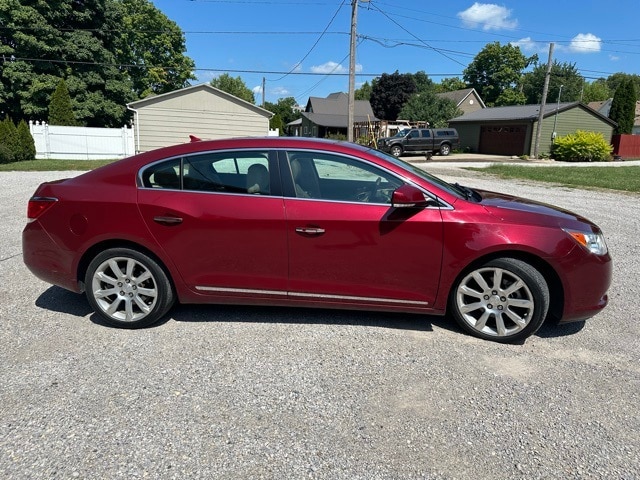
point(594, 242)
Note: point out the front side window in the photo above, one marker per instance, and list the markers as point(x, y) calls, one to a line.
point(334, 177)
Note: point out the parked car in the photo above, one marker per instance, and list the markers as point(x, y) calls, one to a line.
point(310, 223)
point(421, 140)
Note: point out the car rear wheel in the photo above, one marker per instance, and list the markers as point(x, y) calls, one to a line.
point(445, 150)
point(127, 288)
point(396, 150)
point(504, 300)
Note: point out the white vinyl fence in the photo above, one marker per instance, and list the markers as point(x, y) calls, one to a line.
point(81, 143)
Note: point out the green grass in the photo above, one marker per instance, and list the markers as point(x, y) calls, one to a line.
point(52, 165)
point(626, 179)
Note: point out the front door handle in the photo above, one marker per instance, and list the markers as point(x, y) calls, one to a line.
point(167, 220)
point(310, 230)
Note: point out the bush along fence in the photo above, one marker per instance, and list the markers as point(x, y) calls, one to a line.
point(81, 143)
point(16, 143)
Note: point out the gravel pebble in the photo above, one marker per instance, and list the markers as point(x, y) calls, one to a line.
point(244, 392)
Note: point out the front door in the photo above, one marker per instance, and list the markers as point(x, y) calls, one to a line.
point(348, 245)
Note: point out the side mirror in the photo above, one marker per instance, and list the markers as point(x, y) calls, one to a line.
point(408, 196)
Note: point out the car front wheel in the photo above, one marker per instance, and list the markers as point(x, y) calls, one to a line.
point(445, 150)
point(127, 288)
point(396, 150)
point(504, 300)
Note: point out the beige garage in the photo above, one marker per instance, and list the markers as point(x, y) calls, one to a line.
point(201, 110)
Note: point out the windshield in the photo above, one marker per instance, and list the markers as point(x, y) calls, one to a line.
point(401, 133)
point(455, 189)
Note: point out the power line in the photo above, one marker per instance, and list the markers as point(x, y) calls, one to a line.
point(313, 46)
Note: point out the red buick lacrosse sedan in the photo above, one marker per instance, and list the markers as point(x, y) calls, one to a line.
point(310, 223)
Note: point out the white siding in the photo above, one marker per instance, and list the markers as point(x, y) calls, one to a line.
point(171, 119)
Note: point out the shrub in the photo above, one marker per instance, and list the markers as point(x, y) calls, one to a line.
point(8, 140)
point(582, 146)
point(26, 147)
point(16, 143)
point(6, 155)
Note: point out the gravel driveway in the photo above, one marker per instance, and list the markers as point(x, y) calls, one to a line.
point(239, 392)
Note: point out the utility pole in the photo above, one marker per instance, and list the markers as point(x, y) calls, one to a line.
point(543, 102)
point(352, 70)
point(263, 85)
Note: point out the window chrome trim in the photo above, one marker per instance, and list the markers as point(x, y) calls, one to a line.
point(320, 296)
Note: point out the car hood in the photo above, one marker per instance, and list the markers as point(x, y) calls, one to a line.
point(506, 206)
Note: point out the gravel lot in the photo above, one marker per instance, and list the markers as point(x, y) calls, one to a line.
point(239, 392)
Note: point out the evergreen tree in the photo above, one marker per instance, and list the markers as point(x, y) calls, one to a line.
point(60, 109)
point(26, 145)
point(8, 141)
point(623, 107)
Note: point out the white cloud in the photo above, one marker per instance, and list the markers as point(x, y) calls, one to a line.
point(528, 45)
point(489, 16)
point(279, 91)
point(329, 67)
point(257, 89)
point(585, 43)
point(333, 67)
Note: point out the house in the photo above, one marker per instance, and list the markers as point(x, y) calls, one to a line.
point(466, 100)
point(605, 106)
point(324, 117)
point(512, 130)
point(200, 110)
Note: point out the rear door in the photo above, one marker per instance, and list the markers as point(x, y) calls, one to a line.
point(221, 238)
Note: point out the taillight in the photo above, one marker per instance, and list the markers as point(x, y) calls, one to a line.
point(38, 205)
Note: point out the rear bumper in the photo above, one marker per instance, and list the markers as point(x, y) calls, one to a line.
point(46, 260)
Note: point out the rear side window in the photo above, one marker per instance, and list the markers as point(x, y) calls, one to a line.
point(230, 172)
point(163, 175)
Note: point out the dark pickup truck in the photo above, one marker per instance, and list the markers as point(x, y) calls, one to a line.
point(420, 140)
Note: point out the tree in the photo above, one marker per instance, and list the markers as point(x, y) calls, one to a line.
point(426, 106)
point(623, 107)
point(234, 86)
point(60, 109)
point(614, 81)
point(155, 46)
point(495, 69)
point(70, 39)
point(110, 52)
point(364, 92)
point(25, 144)
point(562, 74)
point(596, 91)
point(285, 109)
point(450, 85)
point(510, 96)
point(8, 141)
point(390, 93)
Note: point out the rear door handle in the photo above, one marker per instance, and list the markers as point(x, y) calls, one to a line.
point(167, 220)
point(310, 230)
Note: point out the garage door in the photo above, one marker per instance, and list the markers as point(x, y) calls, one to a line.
point(503, 139)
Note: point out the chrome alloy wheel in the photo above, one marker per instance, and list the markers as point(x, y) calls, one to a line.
point(495, 302)
point(124, 289)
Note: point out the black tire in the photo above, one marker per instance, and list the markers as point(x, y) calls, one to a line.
point(505, 300)
point(445, 149)
point(128, 289)
point(396, 150)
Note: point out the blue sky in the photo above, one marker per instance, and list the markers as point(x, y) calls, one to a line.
point(301, 47)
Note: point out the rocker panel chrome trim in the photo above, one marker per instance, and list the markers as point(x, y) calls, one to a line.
point(309, 295)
